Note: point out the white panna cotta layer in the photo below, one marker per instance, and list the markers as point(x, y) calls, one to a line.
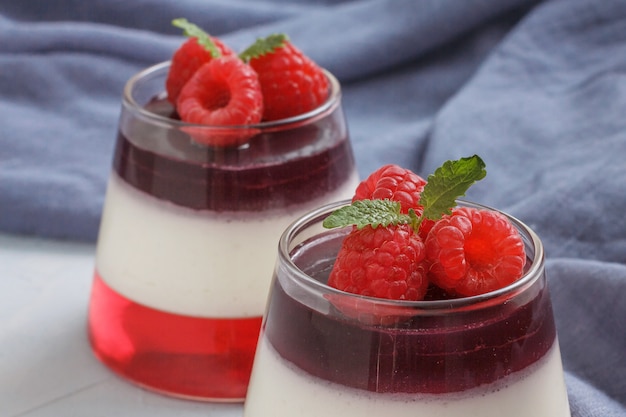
point(280, 389)
point(192, 262)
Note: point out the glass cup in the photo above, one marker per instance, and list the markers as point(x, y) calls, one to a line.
point(187, 239)
point(324, 352)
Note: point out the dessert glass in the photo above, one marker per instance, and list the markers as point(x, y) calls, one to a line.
point(326, 352)
point(188, 234)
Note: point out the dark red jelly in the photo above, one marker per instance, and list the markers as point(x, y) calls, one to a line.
point(447, 351)
point(278, 167)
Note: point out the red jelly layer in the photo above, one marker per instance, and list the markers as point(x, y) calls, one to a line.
point(274, 170)
point(436, 354)
point(205, 358)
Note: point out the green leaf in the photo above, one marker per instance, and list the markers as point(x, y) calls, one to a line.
point(264, 46)
point(362, 213)
point(449, 182)
point(193, 31)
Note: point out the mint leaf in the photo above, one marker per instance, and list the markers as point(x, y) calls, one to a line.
point(449, 182)
point(362, 213)
point(264, 46)
point(193, 31)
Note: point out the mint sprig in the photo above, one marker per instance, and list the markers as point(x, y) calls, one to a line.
point(264, 46)
point(444, 186)
point(363, 213)
point(449, 182)
point(193, 31)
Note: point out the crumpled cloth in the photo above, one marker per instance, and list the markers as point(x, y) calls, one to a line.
point(536, 88)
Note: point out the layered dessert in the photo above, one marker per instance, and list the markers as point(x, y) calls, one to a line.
point(189, 234)
point(330, 351)
point(501, 361)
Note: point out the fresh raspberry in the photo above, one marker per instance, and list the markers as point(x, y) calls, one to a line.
point(223, 92)
point(474, 251)
point(187, 59)
point(395, 183)
point(383, 262)
point(292, 83)
point(398, 184)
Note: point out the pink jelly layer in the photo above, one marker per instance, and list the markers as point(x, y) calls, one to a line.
point(436, 354)
point(194, 357)
point(276, 169)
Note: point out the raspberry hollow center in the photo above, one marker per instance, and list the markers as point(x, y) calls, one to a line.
point(479, 251)
point(218, 98)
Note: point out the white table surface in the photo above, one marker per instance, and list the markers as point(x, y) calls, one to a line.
point(46, 365)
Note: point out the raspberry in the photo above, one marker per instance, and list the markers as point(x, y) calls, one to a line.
point(398, 184)
point(186, 61)
point(223, 92)
point(394, 183)
point(292, 83)
point(383, 262)
point(474, 251)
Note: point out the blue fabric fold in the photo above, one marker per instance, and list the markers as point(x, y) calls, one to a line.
point(537, 88)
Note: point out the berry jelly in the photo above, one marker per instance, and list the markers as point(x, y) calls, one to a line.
point(195, 357)
point(432, 354)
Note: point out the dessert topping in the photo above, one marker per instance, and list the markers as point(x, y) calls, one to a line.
point(199, 49)
point(383, 262)
point(394, 183)
point(223, 92)
point(398, 184)
point(291, 82)
point(468, 251)
point(209, 84)
point(473, 251)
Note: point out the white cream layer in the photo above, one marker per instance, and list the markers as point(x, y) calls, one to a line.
point(191, 262)
point(279, 389)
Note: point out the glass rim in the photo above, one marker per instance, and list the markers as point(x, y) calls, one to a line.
point(534, 272)
point(333, 100)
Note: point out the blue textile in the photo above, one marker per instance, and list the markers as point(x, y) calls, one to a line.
point(537, 88)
